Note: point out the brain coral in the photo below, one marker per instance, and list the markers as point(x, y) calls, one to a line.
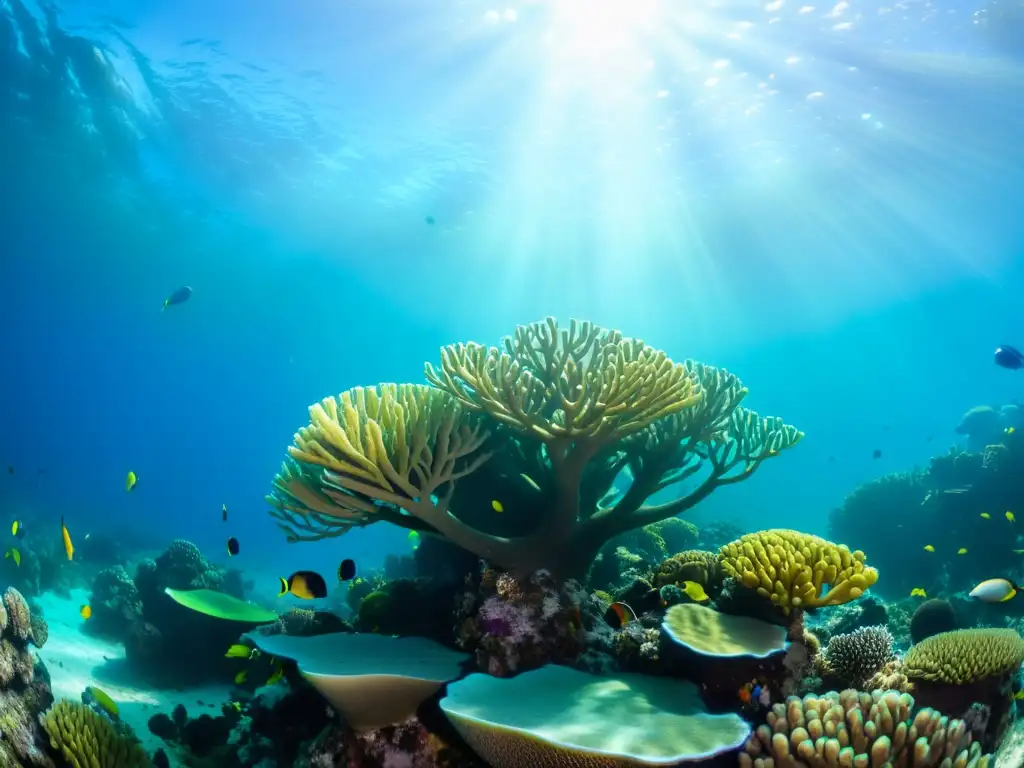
point(797, 570)
point(859, 729)
point(965, 656)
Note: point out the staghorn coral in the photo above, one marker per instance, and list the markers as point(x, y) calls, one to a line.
point(567, 409)
point(857, 729)
point(965, 656)
point(792, 569)
point(86, 739)
point(851, 660)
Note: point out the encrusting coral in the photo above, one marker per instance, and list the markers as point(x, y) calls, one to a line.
point(86, 739)
point(792, 569)
point(566, 411)
point(24, 685)
point(857, 729)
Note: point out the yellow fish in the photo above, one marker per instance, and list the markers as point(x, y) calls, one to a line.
point(68, 546)
point(15, 527)
point(1009, 516)
point(531, 482)
point(962, 551)
point(277, 674)
point(1019, 694)
point(130, 481)
point(239, 651)
point(918, 592)
point(241, 677)
point(85, 611)
point(14, 555)
point(497, 506)
point(929, 548)
point(986, 515)
point(103, 700)
point(414, 539)
point(235, 705)
point(695, 591)
point(1010, 430)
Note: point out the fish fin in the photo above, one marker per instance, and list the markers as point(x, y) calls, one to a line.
point(284, 587)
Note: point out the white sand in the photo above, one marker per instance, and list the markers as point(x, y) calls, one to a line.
point(76, 660)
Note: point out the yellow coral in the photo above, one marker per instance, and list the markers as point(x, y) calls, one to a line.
point(793, 569)
point(87, 740)
point(691, 565)
point(965, 656)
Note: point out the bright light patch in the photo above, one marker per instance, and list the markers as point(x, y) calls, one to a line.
point(601, 27)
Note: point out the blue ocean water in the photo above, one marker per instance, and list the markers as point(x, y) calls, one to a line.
point(824, 200)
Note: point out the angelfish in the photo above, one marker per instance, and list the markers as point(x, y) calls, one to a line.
point(995, 591)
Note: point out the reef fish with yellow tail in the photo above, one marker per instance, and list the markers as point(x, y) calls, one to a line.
point(85, 612)
point(17, 530)
point(239, 651)
point(130, 481)
point(1010, 516)
point(995, 591)
point(986, 516)
point(929, 548)
point(241, 677)
point(497, 506)
point(918, 592)
point(69, 548)
point(962, 551)
point(305, 585)
point(13, 554)
point(104, 701)
point(619, 615)
point(695, 591)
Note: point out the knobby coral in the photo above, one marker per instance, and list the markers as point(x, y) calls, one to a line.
point(571, 409)
point(86, 739)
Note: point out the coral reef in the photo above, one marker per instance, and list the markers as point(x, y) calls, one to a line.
point(852, 660)
point(85, 739)
point(551, 421)
point(24, 687)
point(116, 604)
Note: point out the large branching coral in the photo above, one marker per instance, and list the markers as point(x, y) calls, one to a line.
point(568, 410)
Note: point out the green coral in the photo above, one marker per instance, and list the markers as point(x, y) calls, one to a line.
point(573, 408)
point(373, 609)
point(86, 739)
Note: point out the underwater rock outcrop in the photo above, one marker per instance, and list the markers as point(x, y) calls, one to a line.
point(24, 687)
point(526, 444)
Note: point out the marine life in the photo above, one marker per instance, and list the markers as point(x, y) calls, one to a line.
point(530, 481)
point(130, 481)
point(695, 591)
point(180, 296)
point(986, 515)
point(995, 591)
point(929, 548)
point(1010, 430)
point(876, 454)
point(1019, 695)
point(347, 570)
point(277, 674)
point(1009, 357)
point(224, 512)
point(239, 651)
point(14, 555)
point(241, 677)
point(497, 506)
point(1010, 516)
point(414, 540)
point(69, 548)
point(104, 701)
point(232, 546)
point(430, 220)
point(85, 612)
point(962, 551)
point(306, 585)
point(918, 592)
point(744, 695)
point(618, 615)
point(17, 530)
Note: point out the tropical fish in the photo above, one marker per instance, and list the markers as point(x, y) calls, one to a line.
point(14, 555)
point(224, 512)
point(1010, 516)
point(241, 677)
point(430, 220)
point(695, 591)
point(130, 481)
point(69, 548)
point(1010, 430)
point(306, 585)
point(239, 651)
point(1009, 358)
point(531, 482)
point(414, 540)
point(986, 515)
point(995, 591)
point(876, 454)
point(85, 612)
point(962, 551)
point(232, 547)
point(929, 548)
point(1019, 695)
point(17, 530)
point(497, 506)
point(744, 695)
point(235, 705)
point(277, 674)
point(103, 700)
point(918, 592)
point(618, 615)
point(347, 570)
point(180, 296)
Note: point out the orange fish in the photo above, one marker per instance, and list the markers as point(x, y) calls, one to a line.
point(618, 615)
point(745, 695)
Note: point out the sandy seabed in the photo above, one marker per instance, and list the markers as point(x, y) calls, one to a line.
point(75, 661)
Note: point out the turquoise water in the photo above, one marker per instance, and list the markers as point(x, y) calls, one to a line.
point(824, 200)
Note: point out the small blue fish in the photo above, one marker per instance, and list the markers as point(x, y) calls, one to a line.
point(180, 296)
point(1009, 357)
point(756, 692)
